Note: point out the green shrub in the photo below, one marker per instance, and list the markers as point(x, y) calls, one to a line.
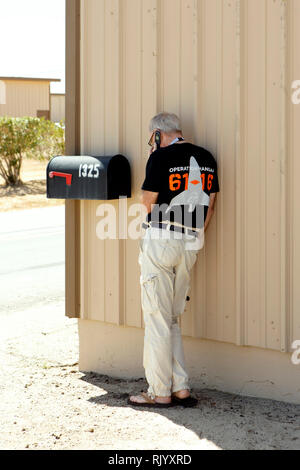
point(30, 137)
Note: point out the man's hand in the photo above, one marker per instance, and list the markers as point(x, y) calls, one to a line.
point(210, 210)
point(152, 149)
point(148, 198)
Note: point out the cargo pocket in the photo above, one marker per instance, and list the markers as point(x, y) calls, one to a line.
point(185, 297)
point(180, 306)
point(191, 257)
point(149, 286)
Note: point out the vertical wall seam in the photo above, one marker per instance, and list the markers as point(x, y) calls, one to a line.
point(220, 154)
point(289, 203)
point(122, 250)
point(78, 140)
point(104, 75)
point(195, 89)
point(218, 118)
point(237, 172)
point(160, 55)
point(244, 153)
point(82, 76)
point(72, 236)
point(245, 161)
point(283, 176)
point(203, 81)
point(264, 334)
point(104, 147)
point(123, 41)
point(180, 58)
point(141, 55)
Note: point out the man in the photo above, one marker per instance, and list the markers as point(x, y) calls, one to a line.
point(179, 193)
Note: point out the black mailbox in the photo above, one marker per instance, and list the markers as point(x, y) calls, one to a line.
point(84, 177)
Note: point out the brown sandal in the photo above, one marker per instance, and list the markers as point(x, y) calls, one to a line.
point(187, 402)
point(149, 402)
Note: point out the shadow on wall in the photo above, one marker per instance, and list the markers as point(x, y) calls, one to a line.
point(228, 421)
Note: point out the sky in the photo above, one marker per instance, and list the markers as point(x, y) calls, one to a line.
point(32, 40)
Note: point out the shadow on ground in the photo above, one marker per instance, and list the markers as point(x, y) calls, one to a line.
point(30, 187)
point(229, 421)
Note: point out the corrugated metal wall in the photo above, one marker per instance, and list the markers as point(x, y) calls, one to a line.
point(24, 98)
point(57, 107)
point(226, 67)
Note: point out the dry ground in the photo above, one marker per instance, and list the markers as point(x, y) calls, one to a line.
point(30, 194)
point(47, 403)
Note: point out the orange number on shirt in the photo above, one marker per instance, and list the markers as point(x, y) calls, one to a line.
point(186, 177)
point(203, 180)
point(175, 181)
point(209, 181)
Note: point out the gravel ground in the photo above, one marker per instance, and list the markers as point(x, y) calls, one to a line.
point(46, 403)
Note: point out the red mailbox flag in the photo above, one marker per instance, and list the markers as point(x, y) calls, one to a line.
point(68, 176)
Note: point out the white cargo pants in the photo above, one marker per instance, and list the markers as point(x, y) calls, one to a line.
point(166, 259)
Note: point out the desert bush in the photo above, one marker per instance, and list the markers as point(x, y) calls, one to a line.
point(50, 140)
point(30, 137)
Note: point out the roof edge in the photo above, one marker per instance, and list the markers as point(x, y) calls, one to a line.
point(32, 79)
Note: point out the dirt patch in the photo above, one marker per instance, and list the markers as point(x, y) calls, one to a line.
point(32, 193)
point(26, 196)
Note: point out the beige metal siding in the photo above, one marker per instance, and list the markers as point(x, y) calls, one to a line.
point(263, 137)
point(292, 178)
point(24, 98)
point(57, 107)
point(226, 68)
point(2, 92)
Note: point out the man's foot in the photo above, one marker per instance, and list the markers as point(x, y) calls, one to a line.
point(183, 398)
point(144, 400)
point(181, 393)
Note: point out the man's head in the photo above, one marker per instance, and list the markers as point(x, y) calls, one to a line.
point(169, 126)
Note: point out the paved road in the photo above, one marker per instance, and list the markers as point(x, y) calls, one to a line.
point(31, 258)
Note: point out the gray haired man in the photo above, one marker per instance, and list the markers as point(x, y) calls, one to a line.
point(179, 193)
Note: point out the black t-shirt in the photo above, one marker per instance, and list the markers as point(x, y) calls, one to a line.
point(184, 175)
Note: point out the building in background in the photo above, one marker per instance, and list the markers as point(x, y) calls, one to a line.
point(25, 96)
point(226, 68)
point(57, 107)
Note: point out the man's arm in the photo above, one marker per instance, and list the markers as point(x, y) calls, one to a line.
point(148, 198)
point(210, 210)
